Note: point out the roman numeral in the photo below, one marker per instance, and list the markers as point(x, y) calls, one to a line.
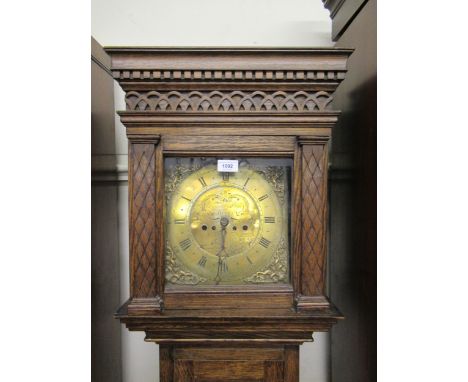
point(202, 261)
point(248, 259)
point(226, 176)
point(185, 244)
point(202, 181)
point(269, 219)
point(189, 200)
point(247, 181)
point(264, 242)
point(263, 197)
point(179, 221)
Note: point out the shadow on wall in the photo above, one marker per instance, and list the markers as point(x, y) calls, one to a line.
point(354, 242)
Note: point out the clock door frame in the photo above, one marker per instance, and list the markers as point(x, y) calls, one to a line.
point(307, 273)
point(232, 296)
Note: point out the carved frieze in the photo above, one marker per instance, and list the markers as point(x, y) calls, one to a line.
point(234, 101)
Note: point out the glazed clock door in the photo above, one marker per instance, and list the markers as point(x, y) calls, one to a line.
point(227, 228)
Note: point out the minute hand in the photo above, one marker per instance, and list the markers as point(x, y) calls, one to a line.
point(224, 222)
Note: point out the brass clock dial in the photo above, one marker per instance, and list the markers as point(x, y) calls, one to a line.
point(226, 228)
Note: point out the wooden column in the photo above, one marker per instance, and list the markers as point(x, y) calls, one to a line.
point(144, 189)
point(313, 231)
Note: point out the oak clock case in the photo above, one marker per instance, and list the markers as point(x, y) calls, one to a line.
point(228, 269)
point(227, 228)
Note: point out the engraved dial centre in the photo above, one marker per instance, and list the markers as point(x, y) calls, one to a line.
point(227, 207)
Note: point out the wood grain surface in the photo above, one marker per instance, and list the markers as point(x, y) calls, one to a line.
point(228, 102)
point(230, 362)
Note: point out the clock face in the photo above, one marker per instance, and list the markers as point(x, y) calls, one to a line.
point(227, 228)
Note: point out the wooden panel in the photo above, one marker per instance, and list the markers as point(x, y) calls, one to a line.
point(213, 353)
point(291, 363)
point(273, 371)
point(238, 370)
point(166, 364)
point(231, 143)
point(229, 362)
point(183, 371)
point(233, 300)
point(314, 203)
point(142, 194)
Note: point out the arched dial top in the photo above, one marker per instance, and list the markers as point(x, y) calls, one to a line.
point(226, 228)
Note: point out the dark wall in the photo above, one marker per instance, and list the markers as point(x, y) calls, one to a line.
point(105, 330)
point(353, 254)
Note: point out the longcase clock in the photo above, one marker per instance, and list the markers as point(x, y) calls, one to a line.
point(228, 155)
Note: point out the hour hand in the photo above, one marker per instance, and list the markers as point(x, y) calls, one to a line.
point(222, 268)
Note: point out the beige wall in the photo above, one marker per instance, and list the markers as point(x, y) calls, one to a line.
point(195, 23)
point(211, 22)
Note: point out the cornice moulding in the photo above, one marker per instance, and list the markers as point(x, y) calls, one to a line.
point(228, 85)
point(255, 64)
point(241, 120)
